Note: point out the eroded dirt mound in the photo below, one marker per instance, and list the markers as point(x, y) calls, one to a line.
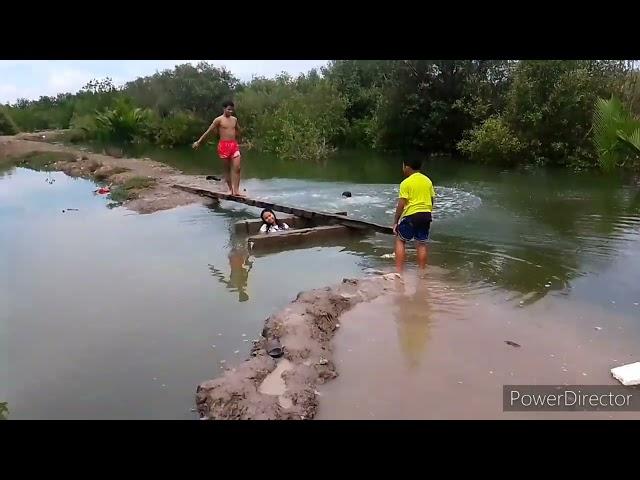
point(280, 389)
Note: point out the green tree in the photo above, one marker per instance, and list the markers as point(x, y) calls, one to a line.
point(7, 125)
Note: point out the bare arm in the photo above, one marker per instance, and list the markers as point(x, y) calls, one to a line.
point(238, 133)
point(402, 202)
point(212, 128)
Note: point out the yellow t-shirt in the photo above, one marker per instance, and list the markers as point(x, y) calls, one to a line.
point(417, 189)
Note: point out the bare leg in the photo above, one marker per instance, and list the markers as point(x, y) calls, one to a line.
point(422, 254)
point(400, 253)
point(235, 176)
point(226, 165)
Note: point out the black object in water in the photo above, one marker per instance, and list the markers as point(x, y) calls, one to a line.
point(346, 194)
point(213, 177)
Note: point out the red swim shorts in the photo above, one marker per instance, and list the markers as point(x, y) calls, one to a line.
point(228, 149)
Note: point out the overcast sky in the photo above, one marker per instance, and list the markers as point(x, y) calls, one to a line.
point(34, 78)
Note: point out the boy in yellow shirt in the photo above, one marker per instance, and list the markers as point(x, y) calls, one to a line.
point(413, 213)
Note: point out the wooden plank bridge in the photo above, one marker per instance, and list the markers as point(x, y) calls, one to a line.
point(316, 217)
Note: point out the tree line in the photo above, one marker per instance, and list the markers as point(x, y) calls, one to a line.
point(527, 112)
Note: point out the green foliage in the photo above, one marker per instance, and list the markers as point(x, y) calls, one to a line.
point(176, 129)
point(122, 123)
point(294, 119)
point(616, 134)
point(199, 90)
point(7, 125)
point(492, 142)
point(500, 111)
point(550, 106)
point(4, 410)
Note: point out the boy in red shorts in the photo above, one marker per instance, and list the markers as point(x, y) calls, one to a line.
point(226, 125)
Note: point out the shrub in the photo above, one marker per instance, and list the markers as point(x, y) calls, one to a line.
point(492, 142)
point(7, 125)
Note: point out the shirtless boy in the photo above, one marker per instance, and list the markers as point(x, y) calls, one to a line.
point(227, 128)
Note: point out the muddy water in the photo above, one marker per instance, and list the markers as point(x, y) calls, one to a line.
point(108, 314)
point(114, 315)
point(438, 350)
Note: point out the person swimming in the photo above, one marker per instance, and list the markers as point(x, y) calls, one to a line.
point(270, 223)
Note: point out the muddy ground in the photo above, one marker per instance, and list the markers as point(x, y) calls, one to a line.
point(109, 169)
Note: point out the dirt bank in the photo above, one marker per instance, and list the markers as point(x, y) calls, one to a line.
point(266, 388)
point(108, 169)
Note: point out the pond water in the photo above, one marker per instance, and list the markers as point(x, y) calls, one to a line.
point(114, 315)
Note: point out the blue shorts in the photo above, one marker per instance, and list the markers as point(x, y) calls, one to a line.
point(415, 227)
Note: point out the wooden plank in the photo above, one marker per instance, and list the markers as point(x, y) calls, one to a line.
point(325, 217)
point(301, 235)
point(252, 227)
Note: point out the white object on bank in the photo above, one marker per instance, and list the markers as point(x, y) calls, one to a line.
point(627, 374)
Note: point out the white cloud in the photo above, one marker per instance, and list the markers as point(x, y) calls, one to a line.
point(67, 80)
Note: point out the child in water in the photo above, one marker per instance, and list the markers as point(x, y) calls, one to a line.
point(270, 223)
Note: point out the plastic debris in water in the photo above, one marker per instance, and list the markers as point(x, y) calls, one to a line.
point(223, 361)
point(236, 351)
point(388, 255)
point(512, 344)
point(244, 334)
point(597, 328)
point(213, 346)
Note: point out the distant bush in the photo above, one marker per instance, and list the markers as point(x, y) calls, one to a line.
point(122, 123)
point(179, 128)
point(7, 125)
point(492, 142)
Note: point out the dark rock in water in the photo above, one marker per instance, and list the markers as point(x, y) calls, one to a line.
point(213, 177)
point(346, 194)
point(513, 344)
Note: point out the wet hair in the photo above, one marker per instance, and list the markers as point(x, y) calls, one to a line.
point(228, 103)
point(414, 163)
point(275, 219)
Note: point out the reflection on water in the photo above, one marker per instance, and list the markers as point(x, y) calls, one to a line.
point(412, 314)
point(239, 265)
